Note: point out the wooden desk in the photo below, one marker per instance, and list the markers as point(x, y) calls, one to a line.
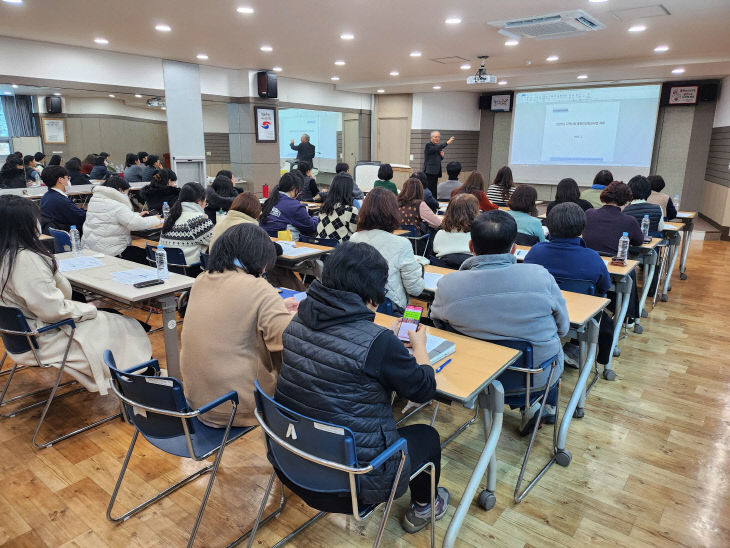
point(99, 280)
point(688, 219)
point(304, 262)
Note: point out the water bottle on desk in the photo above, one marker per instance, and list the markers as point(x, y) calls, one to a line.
point(645, 227)
point(165, 210)
point(676, 202)
point(75, 240)
point(161, 262)
point(623, 247)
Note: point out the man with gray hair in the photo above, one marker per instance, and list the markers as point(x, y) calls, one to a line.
point(305, 149)
point(432, 156)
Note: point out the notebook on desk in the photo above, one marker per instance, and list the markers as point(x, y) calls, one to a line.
point(437, 348)
point(521, 254)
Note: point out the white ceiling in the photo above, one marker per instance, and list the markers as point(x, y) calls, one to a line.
point(305, 36)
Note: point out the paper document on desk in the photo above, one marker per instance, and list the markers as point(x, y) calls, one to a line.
point(684, 215)
point(290, 251)
point(521, 254)
point(135, 275)
point(437, 348)
point(431, 280)
point(78, 263)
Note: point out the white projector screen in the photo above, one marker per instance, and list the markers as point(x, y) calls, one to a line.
point(577, 132)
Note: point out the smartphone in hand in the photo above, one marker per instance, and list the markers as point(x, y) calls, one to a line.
point(410, 321)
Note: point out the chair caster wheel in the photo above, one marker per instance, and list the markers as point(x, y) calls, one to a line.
point(486, 500)
point(579, 412)
point(644, 313)
point(616, 352)
point(683, 276)
point(638, 329)
point(609, 374)
point(665, 298)
point(563, 457)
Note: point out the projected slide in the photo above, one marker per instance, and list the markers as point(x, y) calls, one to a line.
point(598, 127)
point(321, 126)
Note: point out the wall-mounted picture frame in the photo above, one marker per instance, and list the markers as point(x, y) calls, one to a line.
point(265, 124)
point(54, 131)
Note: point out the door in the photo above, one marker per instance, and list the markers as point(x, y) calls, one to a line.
point(393, 137)
point(350, 140)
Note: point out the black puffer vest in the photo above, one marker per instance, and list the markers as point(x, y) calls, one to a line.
point(645, 208)
point(325, 348)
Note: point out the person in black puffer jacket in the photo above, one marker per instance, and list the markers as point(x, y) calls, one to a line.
point(12, 174)
point(159, 191)
point(340, 367)
point(219, 195)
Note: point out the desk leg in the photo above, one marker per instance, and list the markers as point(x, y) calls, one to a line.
point(686, 239)
point(676, 246)
point(650, 260)
point(492, 403)
point(623, 294)
point(168, 303)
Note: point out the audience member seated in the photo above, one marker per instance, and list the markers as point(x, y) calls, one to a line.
point(246, 345)
point(413, 209)
point(110, 221)
point(30, 281)
point(501, 189)
point(219, 196)
point(593, 195)
point(640, 191)
point(451, 243)
point(76, 177)
point(54, 161)
point(474, 185)
point(40, 158)
point(339, 367)
point(659, 198)
point(57, 209)
point(188, 227)
point(338, 215)
point(431, 202)
point(522, 207)
point(377, 220)
point(282, 211)
point(492, 297)
point(566, 192)
point(153, 164)
point(108, 162)
point(344, 167)
point(160, 190)
point(12, 174)
point(88, 164)
point(566, 256)
point(310, 190)
point(99, 172)
point(385, 174)
point(245, 208)
point(133, 169)
point(32, 176)
point(445, 189)
point(142, 156)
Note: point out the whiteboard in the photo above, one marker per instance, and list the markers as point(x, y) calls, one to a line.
point(365, 175)
point(27, 145)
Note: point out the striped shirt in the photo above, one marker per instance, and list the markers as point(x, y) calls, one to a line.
point(494, 193)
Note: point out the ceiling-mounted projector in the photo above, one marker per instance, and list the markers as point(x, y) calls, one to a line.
point(481, 76)
point(156, 102)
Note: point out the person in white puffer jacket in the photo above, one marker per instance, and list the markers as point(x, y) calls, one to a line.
point(110, 219)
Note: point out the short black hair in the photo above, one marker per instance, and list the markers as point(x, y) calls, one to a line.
point(453, 169)
point(657, 182)
point(304, 166)
point(104, 155)
point(151, 159)
point(99, 160)
point(73, 164)
point(247, 243)
point(493, 232)
point(117, 183)
point(56, 161)
point(52, 174)
point(357, 268)
point(13, 161)
point(225, 172)
point(342, 167)
point(39, 156)
point(640, 187)
point(603, 177)
point(142, 155)
point(566, 220)
point(28, 159)
point(385, 172)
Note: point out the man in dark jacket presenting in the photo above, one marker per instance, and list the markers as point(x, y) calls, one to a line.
point(305, 149)
point(432, 156)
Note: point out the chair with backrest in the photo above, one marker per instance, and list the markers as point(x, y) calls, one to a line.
point(204, 258)
point(417, 237)
point(322, 457)
point(327, 242)
point(175, 260)
point(61, 240)
point(526, 239)
point(18, 338)
point(157, 408)
point(586, 287)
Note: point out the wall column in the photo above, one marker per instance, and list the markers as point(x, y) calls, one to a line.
point(256, 163)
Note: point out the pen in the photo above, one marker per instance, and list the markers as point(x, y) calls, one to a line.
point(440, 367)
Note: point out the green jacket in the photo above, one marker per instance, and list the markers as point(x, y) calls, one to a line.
point(387, 185)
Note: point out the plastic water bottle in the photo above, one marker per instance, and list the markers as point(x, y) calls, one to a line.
point(645, 227)
point(165, 210)
point(623, 247)
point(75, 240)
point(675, 200)
point(161, 262)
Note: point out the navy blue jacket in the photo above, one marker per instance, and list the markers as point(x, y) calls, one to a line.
point(98, 173)
point(289, 211)
point(570, 258)
point(58, 209)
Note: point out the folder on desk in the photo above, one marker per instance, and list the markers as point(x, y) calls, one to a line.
point(437, 348)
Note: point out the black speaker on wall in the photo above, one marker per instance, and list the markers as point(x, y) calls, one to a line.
point(53, 105)
point(267, 84)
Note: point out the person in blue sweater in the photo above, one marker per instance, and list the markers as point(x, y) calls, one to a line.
point(566, 256)
point(57, 209)
point(282, 211)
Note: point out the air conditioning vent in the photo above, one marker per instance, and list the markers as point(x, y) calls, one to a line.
point(553, 25)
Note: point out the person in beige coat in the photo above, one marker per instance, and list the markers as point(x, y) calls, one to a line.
point(233, 326)
point(31, 282)
point(246, 208)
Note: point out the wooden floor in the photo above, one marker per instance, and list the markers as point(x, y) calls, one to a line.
point(650, 459)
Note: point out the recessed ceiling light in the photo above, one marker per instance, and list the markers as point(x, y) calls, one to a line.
point(164, 108)
point(13, 1)
point(394, 73)
point(334, 78)
point(57, 94)
point(415, 54)
point(112, 95)
point(137, 95)
point(202, 56)
point(277, 69)
point(678, 70)
point(244, 9)
point(660, 49)
point(512, 43)
point(266, 48)
point(102, 41)
point(598, 1)
point(381, 91)
point(465, 67)
point(163, 28)
point(15, 86)
point(436, 87)
point(582, 76)
point(453, 20)
point(552, 58)
point(502, 82)
point(347, 36)
point(340, 63)
point(637, 28)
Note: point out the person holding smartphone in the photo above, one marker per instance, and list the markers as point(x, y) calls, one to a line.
point(340, 367)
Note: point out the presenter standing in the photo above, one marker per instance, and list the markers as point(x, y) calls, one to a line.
point(305, 149)
point(432, 156)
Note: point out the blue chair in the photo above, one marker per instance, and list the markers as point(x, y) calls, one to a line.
point(61, 240)
point(386, 307)
point(415, 236)
point(19, 338)
point(157, 408)
point(585, 287)
point(322, 457)
point(175, 260)
point(327, 242)
point(204, 258)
